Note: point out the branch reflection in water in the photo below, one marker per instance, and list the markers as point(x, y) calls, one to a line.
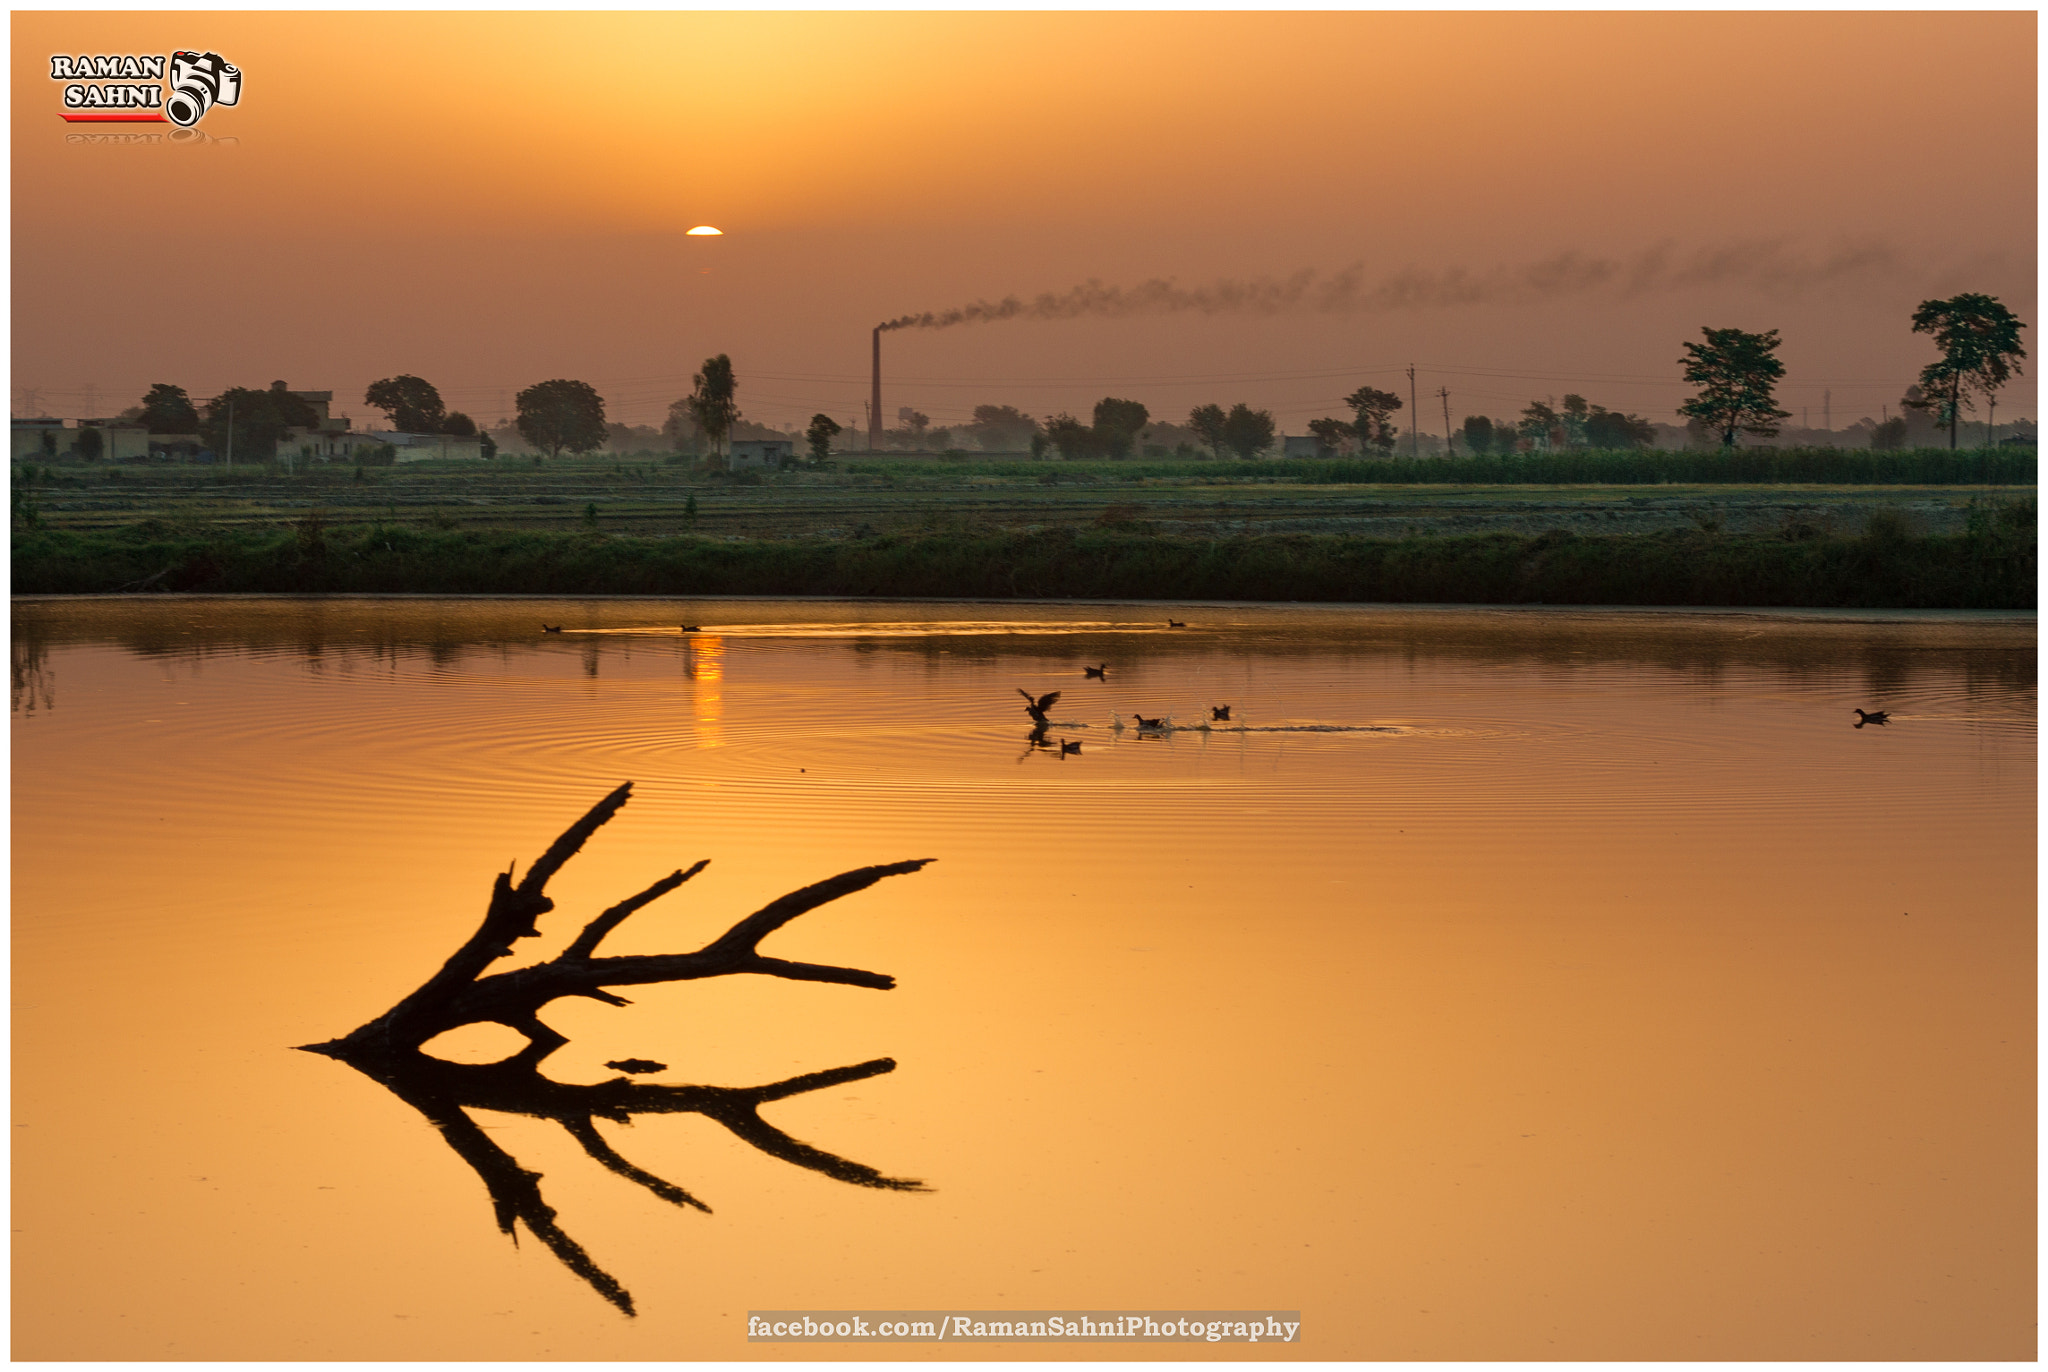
point(388, 1049)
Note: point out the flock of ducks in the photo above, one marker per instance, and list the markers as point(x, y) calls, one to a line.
point(1037, 706)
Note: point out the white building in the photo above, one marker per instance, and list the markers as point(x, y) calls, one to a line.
point(760, 452)
point(35, 439)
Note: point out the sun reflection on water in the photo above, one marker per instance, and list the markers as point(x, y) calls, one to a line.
point(704, 663)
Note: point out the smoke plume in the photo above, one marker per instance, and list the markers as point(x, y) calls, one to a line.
point(1766, 265)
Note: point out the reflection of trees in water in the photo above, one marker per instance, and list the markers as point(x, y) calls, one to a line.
point(1889, 655)
point(388, 1048)
point(1987, 657)
point(31, 684)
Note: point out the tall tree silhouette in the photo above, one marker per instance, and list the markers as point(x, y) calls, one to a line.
point(714, 401)
point(1980, 347)
point(1737, 374)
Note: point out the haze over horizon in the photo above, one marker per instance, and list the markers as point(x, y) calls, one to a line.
point(1185, 208)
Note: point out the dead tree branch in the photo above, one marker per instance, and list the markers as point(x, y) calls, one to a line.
point(460, 994)
point(388, 1048)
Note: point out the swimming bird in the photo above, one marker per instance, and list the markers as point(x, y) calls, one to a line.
point(1037, 708)
point(1097, 672)
point(1144, 723)
point(1873, 717)
point(1176, 624)
point(1220, 712)
point(551, 628)
point(1070, 745)
point(691, 629)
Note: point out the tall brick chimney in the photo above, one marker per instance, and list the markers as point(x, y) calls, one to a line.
point(875, 397)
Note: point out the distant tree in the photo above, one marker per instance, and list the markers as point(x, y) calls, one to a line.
point(291, 409)
point(1606, 429)
point(412, 405)
point(1539, 425)
point(714, 401)
point(486, 445)
point(1918, 412)
point(554, 415)
point(1073, 438)
point(168, 410)
point(1572, 419)
point(681, 429)
point(1249, 432)
point(824, 428)
point(1478, 431)
point(458, 425)
point(1208, 423)
point(1332, 435)
point(914, 425)
point(89, 444)
point(257, 423)
point(1889, 436)
point(1737, 373)
point(1117, 423)
point(1980, 347)
point(1000, 427)
point(1373, 411)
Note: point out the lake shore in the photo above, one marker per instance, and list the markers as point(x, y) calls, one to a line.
point(1990, 565)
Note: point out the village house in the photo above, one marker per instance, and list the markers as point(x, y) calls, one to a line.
point(331, 439)
point(49, 438)
point(760, 452)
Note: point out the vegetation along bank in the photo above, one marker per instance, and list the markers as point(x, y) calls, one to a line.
point(1988, 564)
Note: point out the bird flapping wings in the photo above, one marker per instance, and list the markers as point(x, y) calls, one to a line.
point(1037, 708)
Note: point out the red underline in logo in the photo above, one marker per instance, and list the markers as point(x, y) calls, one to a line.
point(114, 119)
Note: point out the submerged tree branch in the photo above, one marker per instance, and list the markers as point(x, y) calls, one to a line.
point(460, 994)
point(388, 1048)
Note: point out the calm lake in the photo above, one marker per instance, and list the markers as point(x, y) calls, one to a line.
point(1504, 984)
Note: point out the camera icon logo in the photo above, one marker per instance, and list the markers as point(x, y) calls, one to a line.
point(198, 82)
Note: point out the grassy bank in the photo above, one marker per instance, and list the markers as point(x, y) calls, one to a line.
point(1991, 566)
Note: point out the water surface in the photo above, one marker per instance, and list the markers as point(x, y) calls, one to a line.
point(1496, 984)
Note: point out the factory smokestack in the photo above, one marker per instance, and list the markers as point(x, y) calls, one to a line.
point(875, 398)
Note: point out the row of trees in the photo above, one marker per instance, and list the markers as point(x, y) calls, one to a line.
point(1977, 336)
point(554, 416)
point(1735, 372)
point(1574, 423)
point(242, 419)
point(1243, 430)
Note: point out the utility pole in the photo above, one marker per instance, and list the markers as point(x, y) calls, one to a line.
point(1827, 421)
point(1445, 392)
point(1414, 417)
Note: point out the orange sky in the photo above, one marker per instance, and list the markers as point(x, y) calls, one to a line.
point(491, 200)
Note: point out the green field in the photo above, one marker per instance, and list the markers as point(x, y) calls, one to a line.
point(1880, 532)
